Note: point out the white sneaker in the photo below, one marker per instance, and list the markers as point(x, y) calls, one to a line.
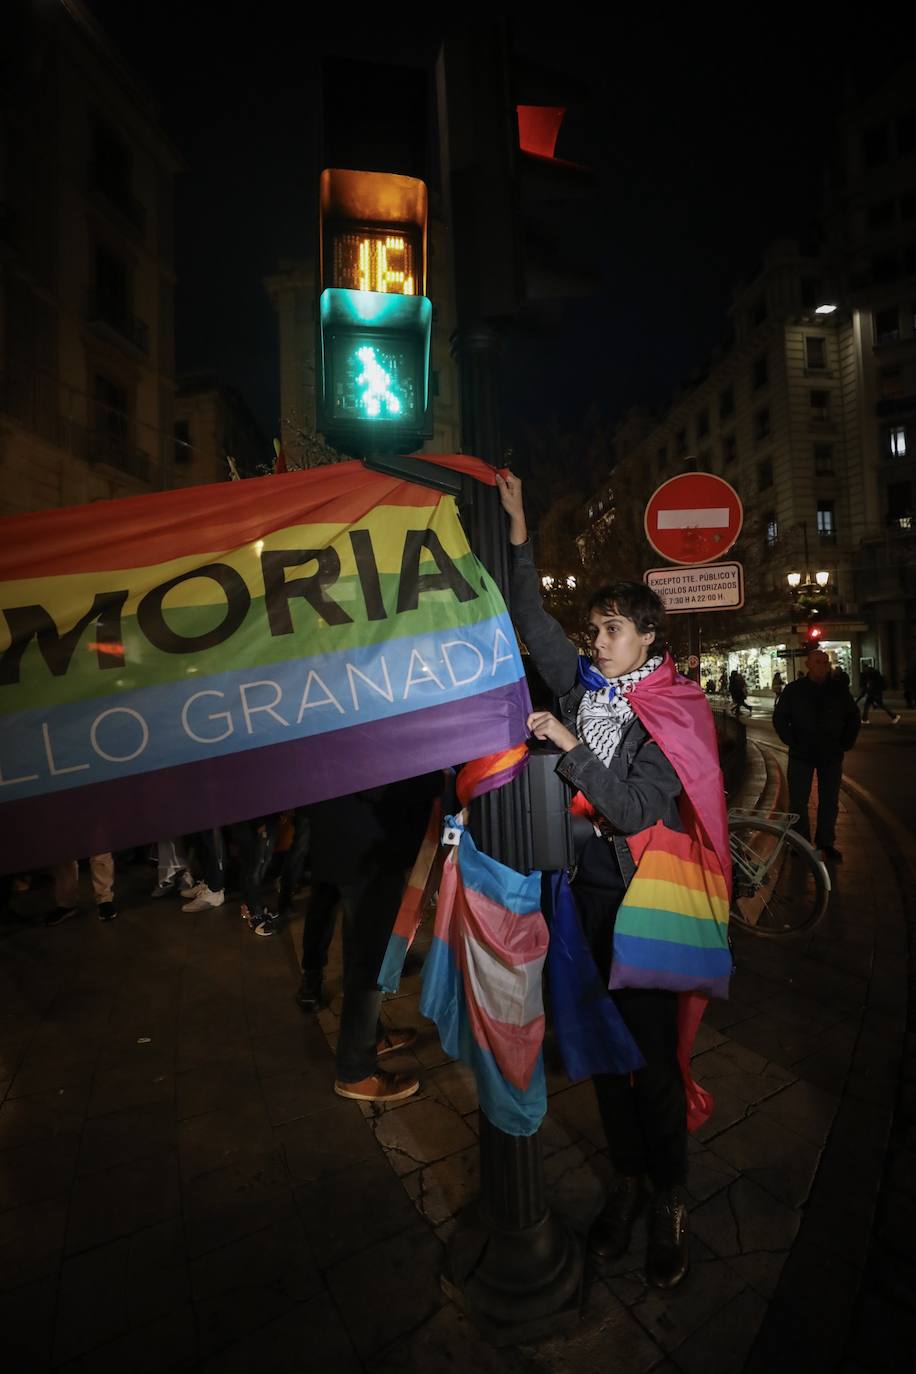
point(895, 720)
point(194, 888)
point(205, 899)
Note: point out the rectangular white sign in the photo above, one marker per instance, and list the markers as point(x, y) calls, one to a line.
point(712, 587)
point(713, 518)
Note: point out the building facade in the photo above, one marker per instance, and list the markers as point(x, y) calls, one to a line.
point(86, 268)
point(212, 425)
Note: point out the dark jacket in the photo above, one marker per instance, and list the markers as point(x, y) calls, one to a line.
point(818, 721)
point(375, 831)
point(639, 786)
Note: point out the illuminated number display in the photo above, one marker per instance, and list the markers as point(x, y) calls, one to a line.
point(375, 260)
point(375, 379)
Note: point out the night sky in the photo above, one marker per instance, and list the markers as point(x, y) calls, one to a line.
point(704, 150)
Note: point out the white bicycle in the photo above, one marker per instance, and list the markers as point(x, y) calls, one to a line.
point(780, 884)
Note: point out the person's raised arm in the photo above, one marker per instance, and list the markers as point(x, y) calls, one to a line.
point(555, 658)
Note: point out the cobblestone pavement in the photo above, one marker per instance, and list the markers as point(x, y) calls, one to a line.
point(180, 1189)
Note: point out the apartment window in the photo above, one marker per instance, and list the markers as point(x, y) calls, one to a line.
point(726, 402)
point(760, 372)
point(890, 383)
point(815, 353)
point(895, 441)
point(182, 441)
point(884, 267)
point(729, 449)
point(111, 419)
point(765, 475)
point(111, 162)
point(881, 215)
point(680, 443)
point(826, 521)
point(759, 310)
point(702, 424)
point(906, 134)
point(762, 424)
point(111, 285)
point(811, 295)
point(900, 505)
point(772, 531)
point(876, 145)
point(887, 325)
point(820, 405)
point(823, 460)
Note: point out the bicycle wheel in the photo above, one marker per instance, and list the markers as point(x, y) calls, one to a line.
point(780, 886)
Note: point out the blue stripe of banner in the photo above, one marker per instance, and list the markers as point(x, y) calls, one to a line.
point(54, 749)
point(514, 891)
point(670, 958)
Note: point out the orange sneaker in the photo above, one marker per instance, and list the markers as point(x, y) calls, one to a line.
point(380, 1087)
point(394, 1040)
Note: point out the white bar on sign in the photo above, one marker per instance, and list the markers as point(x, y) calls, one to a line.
point(715, 518)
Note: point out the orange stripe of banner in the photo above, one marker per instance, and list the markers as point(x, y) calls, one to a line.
point(478, 770)
point(655, 864)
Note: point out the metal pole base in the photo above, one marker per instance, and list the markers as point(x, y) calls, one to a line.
point(514, 1266)
point(515, 1286)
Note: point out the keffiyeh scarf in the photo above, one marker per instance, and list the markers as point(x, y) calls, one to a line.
point(605, 711)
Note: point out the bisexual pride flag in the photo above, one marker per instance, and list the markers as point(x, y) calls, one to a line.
point(482, 983)
point(185, 659)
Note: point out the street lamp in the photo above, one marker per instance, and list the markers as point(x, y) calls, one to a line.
point(824, 309)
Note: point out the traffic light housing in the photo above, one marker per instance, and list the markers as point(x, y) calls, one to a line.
point(374, 319)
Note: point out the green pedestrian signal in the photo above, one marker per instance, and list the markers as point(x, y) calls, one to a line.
point(374, 322)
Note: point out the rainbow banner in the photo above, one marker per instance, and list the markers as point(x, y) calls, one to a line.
point(179, 660)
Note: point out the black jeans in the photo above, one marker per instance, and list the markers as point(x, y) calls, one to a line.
point(254, 842)
point(318, 927)
point(370, 904)
point(829, 776)
point(644, 1114)
point(294, 858)
point(211, 853)
point(876, 700)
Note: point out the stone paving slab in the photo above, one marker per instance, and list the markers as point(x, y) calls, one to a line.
point(179, 1188)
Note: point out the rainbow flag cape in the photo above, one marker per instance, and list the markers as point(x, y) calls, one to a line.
point(482, 983)
point(185, 659)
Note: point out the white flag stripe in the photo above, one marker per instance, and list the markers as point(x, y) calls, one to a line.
point(713, 518)
point(512, 994)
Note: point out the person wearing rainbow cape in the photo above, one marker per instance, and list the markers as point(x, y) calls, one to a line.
point(652, 880)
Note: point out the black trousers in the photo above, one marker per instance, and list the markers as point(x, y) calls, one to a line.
point(370, 904)
point(254, 842)
point(644, 1114)
point(829, 776)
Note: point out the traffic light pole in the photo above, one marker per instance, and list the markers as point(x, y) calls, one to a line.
point(514, 1265)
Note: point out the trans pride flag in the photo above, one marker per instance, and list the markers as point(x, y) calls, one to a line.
point(482, 983)
point(184, 659)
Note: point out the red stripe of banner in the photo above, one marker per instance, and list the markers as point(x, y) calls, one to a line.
point(141, 531)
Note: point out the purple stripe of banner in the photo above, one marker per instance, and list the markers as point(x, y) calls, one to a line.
point(158, 805)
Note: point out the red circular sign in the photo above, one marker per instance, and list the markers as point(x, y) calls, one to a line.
point(693, 518)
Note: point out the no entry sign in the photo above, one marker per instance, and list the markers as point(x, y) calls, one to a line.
point(693, 518)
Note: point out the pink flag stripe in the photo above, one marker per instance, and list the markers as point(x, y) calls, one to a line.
point(516, 940)
point(510, 994)
point(519, 1047)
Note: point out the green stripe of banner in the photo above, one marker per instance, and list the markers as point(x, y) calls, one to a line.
point(252, 645)
point(650, 923)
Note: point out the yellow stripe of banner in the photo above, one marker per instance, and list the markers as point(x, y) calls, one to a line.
point(70, 594)
point(676, 897)
point(672, 869)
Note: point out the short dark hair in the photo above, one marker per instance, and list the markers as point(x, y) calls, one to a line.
point(635, 601)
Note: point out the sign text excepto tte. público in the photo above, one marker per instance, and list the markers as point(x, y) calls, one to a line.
point(712, 587)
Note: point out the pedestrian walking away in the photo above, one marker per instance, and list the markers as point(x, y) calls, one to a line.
point(874, 697)
point(817, 718)
point(628, 785)
point(738, 691)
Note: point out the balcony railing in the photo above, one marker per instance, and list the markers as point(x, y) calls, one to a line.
point(116, 452)
point(109, 314)
point(118, 196)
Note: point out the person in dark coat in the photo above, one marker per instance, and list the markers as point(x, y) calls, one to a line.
point(817, 718)
point(362, 847)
